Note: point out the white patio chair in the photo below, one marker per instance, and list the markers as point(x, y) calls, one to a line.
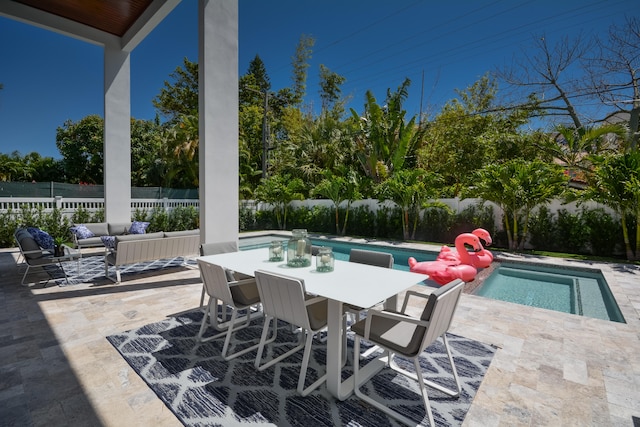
point(237, 294)
point(219, 248)
point(285, 298)
point(408, 336)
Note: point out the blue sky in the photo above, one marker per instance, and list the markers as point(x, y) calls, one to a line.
point(49, 78)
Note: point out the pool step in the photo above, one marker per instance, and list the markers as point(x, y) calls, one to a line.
point(587, 295)
point(589, 298)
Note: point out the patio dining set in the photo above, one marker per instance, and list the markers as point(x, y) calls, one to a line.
point(362, 292)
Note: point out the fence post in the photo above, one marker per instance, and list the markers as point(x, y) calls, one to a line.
point(58, 200)
point(165, 204)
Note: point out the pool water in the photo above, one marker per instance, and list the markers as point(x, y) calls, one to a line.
point(574, 291)
point(341, 249)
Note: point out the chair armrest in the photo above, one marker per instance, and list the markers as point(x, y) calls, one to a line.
point(38, 251)
point(390, 315)
point(410, 294)
point(242, 282)
point(314, 300)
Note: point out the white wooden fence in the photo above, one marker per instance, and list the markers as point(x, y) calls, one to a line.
point(69, 205)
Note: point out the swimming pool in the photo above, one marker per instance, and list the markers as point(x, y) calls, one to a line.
point(341, 249)
point(568, 290)
point(582, 292)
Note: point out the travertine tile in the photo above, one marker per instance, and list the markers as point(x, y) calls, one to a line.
point(550, 369)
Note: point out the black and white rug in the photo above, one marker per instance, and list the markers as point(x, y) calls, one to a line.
point(91, 270)
point(202, 389)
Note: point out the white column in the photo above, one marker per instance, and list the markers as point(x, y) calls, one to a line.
point(218, 105)
point(117, 135)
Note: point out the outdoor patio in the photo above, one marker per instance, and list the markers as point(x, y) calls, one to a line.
point(57, 368)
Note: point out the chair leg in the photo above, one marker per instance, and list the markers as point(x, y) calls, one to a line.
point(25, 275)
point(231, 330)
point(202, 296)
point(263, 339)
point(380, 406)
point(305, 365)
point(279, 358)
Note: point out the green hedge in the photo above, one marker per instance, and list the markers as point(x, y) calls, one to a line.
point(589, 231)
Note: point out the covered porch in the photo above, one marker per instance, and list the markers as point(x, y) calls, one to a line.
point(118, 27)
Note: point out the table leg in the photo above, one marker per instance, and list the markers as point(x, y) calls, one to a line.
point(335, 333)
point(334, 352)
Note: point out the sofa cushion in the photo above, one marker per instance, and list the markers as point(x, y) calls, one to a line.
point(138, 227)
point(44, 240)
point(28, 243)
point(81, 231)
point(118, 228)
point(181, 233)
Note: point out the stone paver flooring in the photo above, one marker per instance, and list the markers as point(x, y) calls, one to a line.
point(551, 369)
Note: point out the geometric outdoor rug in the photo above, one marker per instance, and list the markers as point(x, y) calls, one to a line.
point(92, 269)
point(202, 389)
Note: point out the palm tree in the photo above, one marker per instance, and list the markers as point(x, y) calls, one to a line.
point(339, 189)
point(410, 189)
point(517, 187)
point(615, 182)
point(280, 191)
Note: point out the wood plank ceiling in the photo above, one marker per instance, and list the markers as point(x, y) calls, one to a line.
point(112, 16)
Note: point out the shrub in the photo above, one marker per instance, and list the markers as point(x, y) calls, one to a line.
point(542, 229)
point(603, 233)
point(81, 216)
point(362, 222)
point(570, 235)
point(436, 223)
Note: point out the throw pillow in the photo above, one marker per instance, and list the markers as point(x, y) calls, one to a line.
point(42, 238)
point(81, 231)
point(138, 227)
point(109, 241)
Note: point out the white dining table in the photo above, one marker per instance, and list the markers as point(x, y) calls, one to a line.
point(352, 283)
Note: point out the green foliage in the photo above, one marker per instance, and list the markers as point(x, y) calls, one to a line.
point(436, 223)
point(363, 222)
point(604, 233)
point(518, 186)
point(158, 220)
point(542, 229)
point(180, 96)
point(615, 182)
point(280, 191)
point(8, 224)
point(300, 64)
point(385, 141)
point(570, 232)
point(140, 214)
point(409, 189)
point(80, 216)
point(81, 146)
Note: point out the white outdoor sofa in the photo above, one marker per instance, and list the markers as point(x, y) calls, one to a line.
point(134, 248)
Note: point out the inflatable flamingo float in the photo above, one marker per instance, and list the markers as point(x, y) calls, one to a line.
point(480, 259)
point(443, 272)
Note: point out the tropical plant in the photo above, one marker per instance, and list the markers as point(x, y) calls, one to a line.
point(386, 141)
point(280, 191)
point(518, 186)
point(409, 189)
point(339, 189)
point(615, 182)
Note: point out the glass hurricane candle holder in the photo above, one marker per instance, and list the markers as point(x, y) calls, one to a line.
point(299, 249)
point(276, 251)
point(324, 260)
